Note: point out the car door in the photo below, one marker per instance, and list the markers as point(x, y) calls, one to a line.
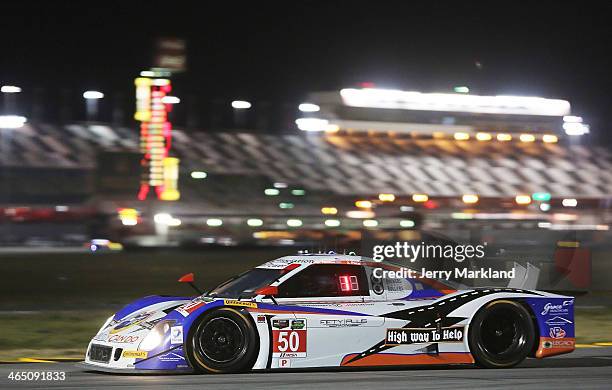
point(335, 312)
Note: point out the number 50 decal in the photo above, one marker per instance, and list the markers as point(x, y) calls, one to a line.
point(287, 343)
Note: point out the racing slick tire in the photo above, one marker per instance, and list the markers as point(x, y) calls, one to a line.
point(223, 341)
point(501, 334)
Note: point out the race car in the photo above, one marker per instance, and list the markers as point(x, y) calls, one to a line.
point(329, 310)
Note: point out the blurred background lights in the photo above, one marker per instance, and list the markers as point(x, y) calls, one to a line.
point(386, 197)
point(527, 138)
point(483, 136)
point(550, 139)
point(294, 222)
point(241, 104)
point(522, 199)
point(569, 202)
point(308, 107)
point(10, 89)
point(460, 136)
point(12, 121)
point(420, 198)
point(93, 95)
point(503, 137)
point(214, 222)
point(329, 210)
point(470, 198)
point(461, 89)
point(370, 223)
point(363, 204)
point(254, 222)
point(170, 100)
point(198, 175)
point(407, 223)
point(332, 222)
point(271, 191)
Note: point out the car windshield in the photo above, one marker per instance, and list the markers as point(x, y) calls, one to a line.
point(245, 285)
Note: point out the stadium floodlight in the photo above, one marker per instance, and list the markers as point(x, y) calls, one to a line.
point(309, 107)
point(170, 100)
point(93, 95)
point(312, 124)
point(12, 121)
point(413, 100)
point(10, 89)
point(241, 104)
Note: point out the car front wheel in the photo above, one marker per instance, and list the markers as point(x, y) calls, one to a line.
point(223, 341)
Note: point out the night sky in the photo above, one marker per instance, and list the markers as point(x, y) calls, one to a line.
point(279, 51)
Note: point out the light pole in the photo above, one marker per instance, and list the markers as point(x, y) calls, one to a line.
point(8, 123)
point(9, 92)
point(240, 107)
point(91, 101)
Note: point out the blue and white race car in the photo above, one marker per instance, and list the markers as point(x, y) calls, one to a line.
point(310, 311)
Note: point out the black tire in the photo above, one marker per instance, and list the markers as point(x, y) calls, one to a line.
point(501, 334)
point(223, 341)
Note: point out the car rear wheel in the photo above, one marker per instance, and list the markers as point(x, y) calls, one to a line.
point(223, 341)
point(501, 334)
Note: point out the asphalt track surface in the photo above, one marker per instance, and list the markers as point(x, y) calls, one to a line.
point(586, 368)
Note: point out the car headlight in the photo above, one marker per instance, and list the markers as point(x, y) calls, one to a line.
point(155, 337)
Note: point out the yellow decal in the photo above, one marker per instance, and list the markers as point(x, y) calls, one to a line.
point(234, 302)
point(135, 354)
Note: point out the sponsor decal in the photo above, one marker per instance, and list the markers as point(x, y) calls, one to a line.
point(289, 343)
point(261, 319)
point(280, 324)
point(284, 363)
point(121, 326)
point(117, 338)
point(235, 302)
point(135, 354)
point(176, 335)
point(404, 336)
point(559, 343)
point(190, 307)
point(563, 308)
point(171, 357)
point(343, 322)
point(557, 332)
point(298, 324)
point(558, 321)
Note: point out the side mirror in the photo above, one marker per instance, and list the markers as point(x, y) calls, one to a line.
point(189, 278)
point(267, 291)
